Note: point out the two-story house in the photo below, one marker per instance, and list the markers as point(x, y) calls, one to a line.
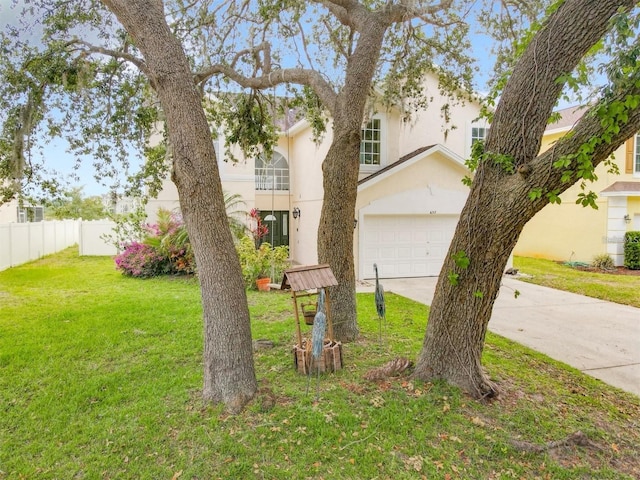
point(410, 192)
point(570, 232)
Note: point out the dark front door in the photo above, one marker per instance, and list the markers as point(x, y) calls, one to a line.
point(278, 229)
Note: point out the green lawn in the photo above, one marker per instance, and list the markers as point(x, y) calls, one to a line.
point(100, 378)
point(623, 289)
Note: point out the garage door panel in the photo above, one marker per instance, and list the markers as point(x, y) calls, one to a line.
point(404, 236)
point(405, 246)
point(419, 253)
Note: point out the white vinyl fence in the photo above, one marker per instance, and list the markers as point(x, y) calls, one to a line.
point(23, 242)
point(90, 241)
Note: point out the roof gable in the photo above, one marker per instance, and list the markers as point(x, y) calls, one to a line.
point(408, 160)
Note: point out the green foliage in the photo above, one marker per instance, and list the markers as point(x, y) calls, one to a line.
point(248, 120)
point(632, 250)
point(603, 262)
point(128, 228)
point(461, 260)
point(479, 156)
point(52, 88)
point(262, 261)
point(313, 110)
point(74, 205)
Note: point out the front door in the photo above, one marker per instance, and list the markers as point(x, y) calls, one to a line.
point(278, 233)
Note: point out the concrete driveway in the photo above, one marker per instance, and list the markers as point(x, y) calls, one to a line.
point(599, 338)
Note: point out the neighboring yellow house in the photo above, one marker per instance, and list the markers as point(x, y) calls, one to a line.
point(409, 196)
point(570, 232)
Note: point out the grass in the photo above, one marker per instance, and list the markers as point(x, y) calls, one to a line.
point(624, 289)
point(100, 377)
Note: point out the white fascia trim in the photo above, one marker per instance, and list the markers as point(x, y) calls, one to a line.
point(620, 194)
point(296, 127)
point(454, 157)
point(557, 130)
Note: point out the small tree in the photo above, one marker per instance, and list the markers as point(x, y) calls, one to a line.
point(73, 204)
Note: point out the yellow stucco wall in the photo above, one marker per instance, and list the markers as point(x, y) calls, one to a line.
point(633, 207)
point(561, 232)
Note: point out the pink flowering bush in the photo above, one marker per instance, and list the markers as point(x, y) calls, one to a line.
point(165, 250)
point(142, 261)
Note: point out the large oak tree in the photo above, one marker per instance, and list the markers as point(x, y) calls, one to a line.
point(513, 181)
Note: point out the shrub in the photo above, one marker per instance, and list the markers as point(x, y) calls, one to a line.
point(258, 262)
point(603, 262)
point(632, 250)
point(170, 239)
point(142, 261)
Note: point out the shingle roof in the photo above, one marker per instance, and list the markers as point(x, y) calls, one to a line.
point(622, 187)
point(568, 117)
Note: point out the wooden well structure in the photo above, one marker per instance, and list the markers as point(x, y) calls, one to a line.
point(306, 281)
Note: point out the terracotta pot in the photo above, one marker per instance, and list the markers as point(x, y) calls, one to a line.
point(263, 284)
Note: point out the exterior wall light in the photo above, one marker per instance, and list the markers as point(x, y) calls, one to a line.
point(627, 218)
point(296, 212)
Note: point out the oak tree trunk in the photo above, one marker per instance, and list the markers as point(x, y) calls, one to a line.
point(340, 178)
point(499, 205)
point(335, 232)
point(229, 375)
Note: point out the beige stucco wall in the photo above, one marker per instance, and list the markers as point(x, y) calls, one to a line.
point(428, 127)
point(305, 172)
point(561, 232)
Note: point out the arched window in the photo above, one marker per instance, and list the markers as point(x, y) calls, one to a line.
point(272, 175)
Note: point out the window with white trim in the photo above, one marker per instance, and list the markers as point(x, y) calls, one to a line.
point(478, 134)
point(272, 175)
point(371, 143)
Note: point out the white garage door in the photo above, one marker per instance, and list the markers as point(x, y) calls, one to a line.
point(406, 246)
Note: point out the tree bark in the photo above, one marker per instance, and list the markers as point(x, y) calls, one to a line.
point(229, 375)
point(340, 177)
point(498, 206)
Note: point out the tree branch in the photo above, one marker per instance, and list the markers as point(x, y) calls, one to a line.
point(532, 90)
point(299, 76)
point(341, 10)
point(589, 126)
point(406, 10)
point(89, 48)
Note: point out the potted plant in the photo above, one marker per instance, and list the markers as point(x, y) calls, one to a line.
point(258, 263)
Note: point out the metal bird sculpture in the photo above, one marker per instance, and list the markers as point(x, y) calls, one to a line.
point(317, 340)
point(380, 304)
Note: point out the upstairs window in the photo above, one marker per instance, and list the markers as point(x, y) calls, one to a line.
point(478, 134)
point(371, 143)
point(272, 175)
